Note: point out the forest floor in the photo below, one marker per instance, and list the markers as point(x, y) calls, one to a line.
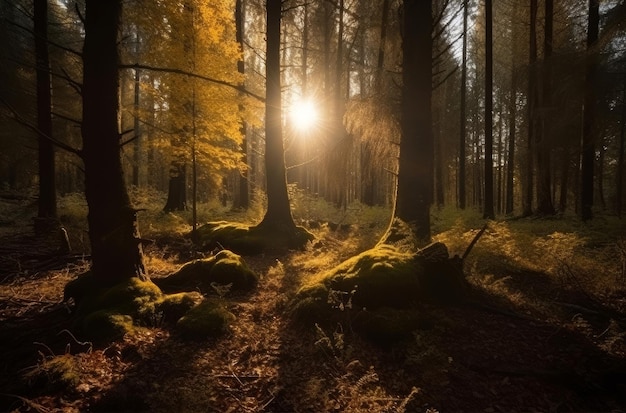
point(526, 340)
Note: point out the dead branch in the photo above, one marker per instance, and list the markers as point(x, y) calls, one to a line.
point(474, 241)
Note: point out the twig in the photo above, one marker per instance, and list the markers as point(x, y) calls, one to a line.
point(38, 407)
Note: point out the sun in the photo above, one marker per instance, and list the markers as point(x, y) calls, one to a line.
point(303, 114)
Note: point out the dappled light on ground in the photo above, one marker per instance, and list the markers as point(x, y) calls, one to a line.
point(541, 328)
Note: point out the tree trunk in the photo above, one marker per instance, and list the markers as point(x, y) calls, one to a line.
point(278, 214)
point(488, 212)
point(461, 178)
point(115, 246)
point(619, 179)
point(177, 191)
point(527, 203)
point(543, 148)
point(588, 141)
point(242, 198)
point(415, 174)
point(47, 187)
point(510, 170)
point(565, 167)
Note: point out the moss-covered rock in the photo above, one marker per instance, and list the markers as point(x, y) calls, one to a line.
point(208, 319)
point(381, 289)
point(225, 268)
point(131, 296)
point(172, 307)
point(378, 277)
point(106, 325)
point(249, 240)
point(56, 373)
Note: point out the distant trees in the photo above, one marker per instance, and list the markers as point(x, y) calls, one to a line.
point(189, 69)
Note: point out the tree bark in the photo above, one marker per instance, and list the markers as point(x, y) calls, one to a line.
point(527, 201)
point(619, 179)
point(115, 246)
point(543, 148)
point(278, 214)
point(488, 212)
point(461, 178)
point(47, 205)
point(588, 141)
point(242, 201)
point(415, 174)
point(177, 190)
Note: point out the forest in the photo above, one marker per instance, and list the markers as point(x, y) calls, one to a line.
point(312, 206)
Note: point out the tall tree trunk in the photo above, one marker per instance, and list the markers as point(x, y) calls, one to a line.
point(619, 178)
point(461, 176)
point(510, 170)
point(242, 201)
point(136, 126)
point(527, 203)
point(488, 211)
point(589, 117)
point(543, 148)
point(47, 187)
point(278, 214)
point(565, 168)
point(115, 246)
point(415, 174)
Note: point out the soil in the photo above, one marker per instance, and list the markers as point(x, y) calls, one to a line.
point(567, 353)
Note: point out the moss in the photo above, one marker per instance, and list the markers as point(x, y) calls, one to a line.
point(207, 319)
point(230, 235)
point(109, 313)
point(224, 268)
point(131, 296)
point(381, 276)
point(105, 325)
point(189, 276)
point(380, 288)
point(58, 372)
point(173, 306)
point(247, 240)
point(231, 268)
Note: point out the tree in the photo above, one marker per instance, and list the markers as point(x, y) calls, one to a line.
point(415, 171)
point(243, 199)
point(488, 211)
point(543, 147)
point(47, 188)
point(277, 219)
point(116, 249)
point(588, 144)
point(461, 178)
point(527, 200)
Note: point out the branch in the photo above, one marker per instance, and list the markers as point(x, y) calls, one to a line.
point(67, 118)
point(238, 88)
point(77, 86)
point(20, 119)
point(474, 241)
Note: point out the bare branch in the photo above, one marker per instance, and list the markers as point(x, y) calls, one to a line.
point(136, 66)
point(21, 120)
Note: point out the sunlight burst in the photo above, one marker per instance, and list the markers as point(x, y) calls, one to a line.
point(303, 114)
